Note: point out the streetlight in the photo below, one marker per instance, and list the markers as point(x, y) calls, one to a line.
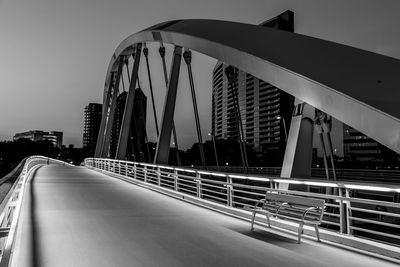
point(284, 125)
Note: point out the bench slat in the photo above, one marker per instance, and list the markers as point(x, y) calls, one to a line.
point(311, 202)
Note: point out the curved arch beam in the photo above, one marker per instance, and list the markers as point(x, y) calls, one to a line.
point(355, 86)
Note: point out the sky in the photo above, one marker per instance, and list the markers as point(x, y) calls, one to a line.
point(54, 54)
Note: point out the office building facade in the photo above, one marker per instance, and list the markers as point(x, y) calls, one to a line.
point(92, 120)
point(265, 110)
point(55, 137)
point(362, 151)
point(118, 117)
point(136, 149)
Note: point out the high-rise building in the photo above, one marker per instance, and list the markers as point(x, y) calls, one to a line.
point(265, 110)
point(138, 131)
point(362, 151)
point(91, 127)
point(118, 116)
point(136, 145)
point(55, 137)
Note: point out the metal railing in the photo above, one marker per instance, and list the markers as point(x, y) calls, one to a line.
point(352, 208)
point(11, 205)
point(370, 175)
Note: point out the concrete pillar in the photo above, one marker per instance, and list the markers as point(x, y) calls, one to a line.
point(298, 154)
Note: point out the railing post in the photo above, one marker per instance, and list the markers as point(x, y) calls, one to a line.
point(229, 191)
point(175, 180)
point(126, 168)
point(198, 184)
point(343, 213)
point(348, 212)
point(119, 167)
point(134, 170)
point(158, 176)
point(145, 174)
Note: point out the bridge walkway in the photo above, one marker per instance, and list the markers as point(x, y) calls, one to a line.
point(72, 216)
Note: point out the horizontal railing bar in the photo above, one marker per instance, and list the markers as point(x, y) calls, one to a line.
point(187, 190)
point(374, 222)
point(331, 214)
point(245, 198)
point(374, 232)
point(331, 223)
point(214, 197)
point(214, 192)
point(376, 212)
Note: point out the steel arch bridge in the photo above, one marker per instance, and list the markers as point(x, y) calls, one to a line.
point(357, 87)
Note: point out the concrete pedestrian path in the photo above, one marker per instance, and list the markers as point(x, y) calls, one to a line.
point(73, 216)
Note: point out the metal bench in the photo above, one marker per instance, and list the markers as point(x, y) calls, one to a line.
point(299, 209)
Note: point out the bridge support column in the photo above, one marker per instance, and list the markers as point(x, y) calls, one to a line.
point(127, 118)
point(106, 101)
point(164, 140)
point(111, 112)
point(162, 54)
point(187, 55)
point(298, 154)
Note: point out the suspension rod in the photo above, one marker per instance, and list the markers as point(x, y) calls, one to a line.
point(328, 135)
point(106, 102)
point(230, 73)
point(187, 55)
point(147, 146)
point(111, 112)
point(162, 54)
point(238, 127)
point(127, 69)
point(123, 83)
point(146, 55)
point(321, 139)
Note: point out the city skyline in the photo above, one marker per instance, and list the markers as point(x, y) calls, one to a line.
point(62, 54)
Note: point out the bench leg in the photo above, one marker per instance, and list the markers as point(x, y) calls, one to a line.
point(269, 223)
point(317, 233)
point(252, 220)
point(300, 231)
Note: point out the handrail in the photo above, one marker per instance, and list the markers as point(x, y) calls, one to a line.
point(11, 204)
point(299, 181)
point(343, 209)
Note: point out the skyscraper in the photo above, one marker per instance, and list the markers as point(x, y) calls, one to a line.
point(363, 152)
point(136, 145)
point(91, 127)
point(138, 131)
point(265, 110)
point(119, 113)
